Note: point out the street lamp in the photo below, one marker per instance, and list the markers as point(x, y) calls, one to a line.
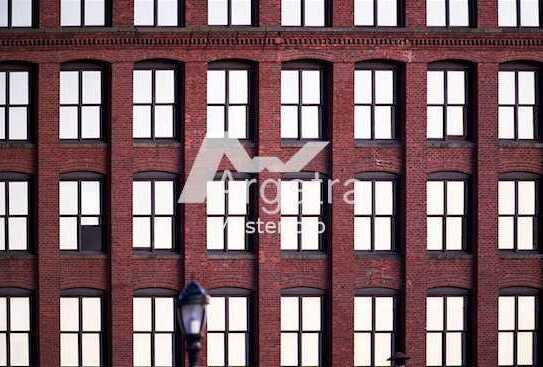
point(191, 315)
point(399, 359)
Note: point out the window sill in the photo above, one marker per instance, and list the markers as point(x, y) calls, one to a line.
point(294, 143)
point(393, 143)
point(16, 254)
point(450, 144)
point(156, 254)
point(86, 254)
point(83, 143)
point(444, 255)
point(147, 143)
point(519, 144)
point(527, 254)
point(16, 144)
point(227, 255)
point(377, 254)
point(313, 255)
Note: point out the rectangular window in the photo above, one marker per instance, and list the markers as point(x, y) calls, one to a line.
point(81, 110)
point(446, 104)
point(448, 13)
point(229, 12)
point(303, 13)
point(374, 221)
point(153, 207)
point(227, 332)
point(227, 214)
point(81, 331)
point(517, 106)
point(517, 331)
point(14, 215)
point(81, 221)
point(15, 331)
point(82, 13)
point(517, 215)
point(156, 13)
point(446, 215)
point(375, 110)
point(518, 13)
point(380, 13)
point(154, 104)
point(301, 215)
point(374, 330)
point(154, 331)
point(16, 13)
point(301, 331)
point(445, 331)
point(301, 104)
point(14, 105)
point(228, 103)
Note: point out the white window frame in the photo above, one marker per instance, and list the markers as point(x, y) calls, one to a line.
point(370, 13)
point(82, 8)
point(230, 12)
point(154, 13)
point(515, 13)
point(440, 13)
point(295, 13)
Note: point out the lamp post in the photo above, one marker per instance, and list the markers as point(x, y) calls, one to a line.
point(191, 315)
point(399, 359)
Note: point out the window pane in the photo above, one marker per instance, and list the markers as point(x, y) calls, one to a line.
point(237, 312)
point(236, 349)
point(164, 85)
point(289, 349)
point(314, 12)
point(237, 197)
point(384, 312)
point(362, 233)
point(164, 314)
point(506, 313)
point(215, 314)
point(505, 233)
point(3, 350)
point(506, 197)
point(454, 349)
point(434, 197)
point(506, 87)
point(215, 122)
point(3, 315)
point(68, 350)
point(215, 233)
point(529, 14)
point(237, 86)
point(92, 316)
point(455, 120)
point(217, 12)
point(526, 313)
point(90, 350)
point(435, 87)
point(68, 128)
point(21, 13)
point(362, 122)
point(525, 122)
point(236, 233)
point(18, 198)
point(291, 13)
point(142, 313)
point(141, 232)
point(143, 13)
point(241, 12)
point(289, 197)
point(289, 84)
point(142, 121)
point(507, 13)
point(163, 350)
point(388, 13)
point(310, 233)
point(433, 349)
point(434, 313)
point(215, 197)
point(215, 349)
point(525, 233)
point(363, 86)
point(18, 87)
point(383, 198)
point(526, 197)
point(362, 313)
point(69, 314)
point(455, 313)
point(289, 122)
point(216, 84)
point(3, 23)
point(310, 122)
point(70, 13)
point(526, 87)
point(384, 86)
point(141, 197)
point(454, 233)
point(310, 349)
point(18, 120)
point(505, 349)
point(383, 122)
point(237, 122)
point(164, 121)
point(69, 87)
point(19, 349)
point(435, 13)
point(383, 349)
point(525, 348)
point(142, 350)
point(311, 86)
point(362, 349)
point(311, 197)
point(68, 233)
point(289, 313)
point(164, 197)
point(3, 80)
point(163, 233)
point(383, 234)
point(434, 233)
point(90, 197)
point(94, 12)
point(455, 197)
point(455, 87)
point(289, 233)
point(90, 123)
point(434, 121)
point(459, 13)
point(142, 83)
point(362, 198)
point(311, 313)
point(167, 12)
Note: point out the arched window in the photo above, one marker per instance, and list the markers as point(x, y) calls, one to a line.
point(16, 327)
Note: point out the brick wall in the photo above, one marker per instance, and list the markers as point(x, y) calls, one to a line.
point(119, 272)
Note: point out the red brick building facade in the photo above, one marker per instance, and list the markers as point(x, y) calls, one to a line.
point(339, 271)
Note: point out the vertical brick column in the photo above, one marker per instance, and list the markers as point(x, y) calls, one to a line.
point(47, 208)
point(195, 13)
point(415, 15)
point(486, 195)
point(414, 201)
point(120, 209)
point(487, 14)
point(123, 13)
point(269, 250)
point(269, 13)
point(341, 254)
point(343, 14)
point(49, 14)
